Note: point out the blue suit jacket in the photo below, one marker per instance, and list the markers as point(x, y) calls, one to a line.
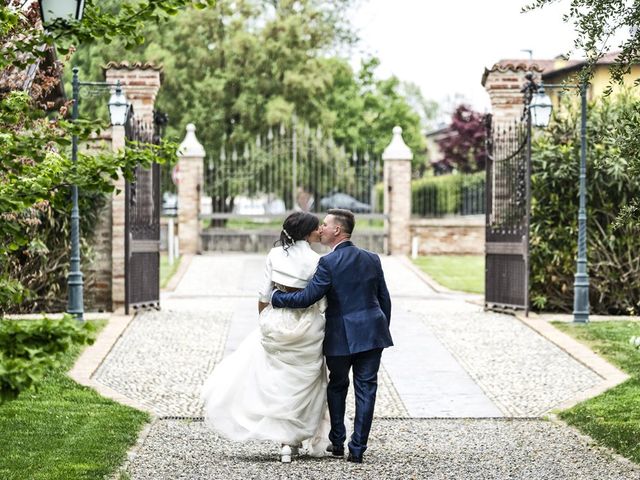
point(359, 306)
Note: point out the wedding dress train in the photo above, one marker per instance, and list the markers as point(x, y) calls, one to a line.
point(273, 387)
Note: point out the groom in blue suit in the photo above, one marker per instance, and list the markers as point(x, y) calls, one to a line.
point(357, 328)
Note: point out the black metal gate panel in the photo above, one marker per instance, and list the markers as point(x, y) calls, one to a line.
point(286, 170)
point(507, 216)
point(142, 228)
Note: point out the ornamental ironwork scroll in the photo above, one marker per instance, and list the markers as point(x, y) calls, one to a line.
point(142, 222)
point(507, 219)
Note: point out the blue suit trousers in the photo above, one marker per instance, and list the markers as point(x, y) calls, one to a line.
point(365, 382)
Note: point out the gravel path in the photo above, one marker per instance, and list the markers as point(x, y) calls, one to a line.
point(524, 374)
point(399, 449)
point(163, 359)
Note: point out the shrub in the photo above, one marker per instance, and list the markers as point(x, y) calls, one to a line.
point(28, 349)
point(452, 194)
point(41, 266)
point(614, 265)
point(435, 196)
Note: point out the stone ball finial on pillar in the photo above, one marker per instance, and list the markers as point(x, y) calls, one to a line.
point(190, 146)
point(191, 155)
point(397, 149)
point(397, 194)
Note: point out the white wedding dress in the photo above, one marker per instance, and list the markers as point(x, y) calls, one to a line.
point(273, 387)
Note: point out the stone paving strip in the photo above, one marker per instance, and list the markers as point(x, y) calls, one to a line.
point(398, 449)
point(522, 372)
point(163, 359)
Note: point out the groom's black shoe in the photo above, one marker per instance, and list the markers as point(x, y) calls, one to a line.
point(336, 450)
point(352, 458)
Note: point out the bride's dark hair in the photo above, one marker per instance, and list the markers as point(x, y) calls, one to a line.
point(296, 227)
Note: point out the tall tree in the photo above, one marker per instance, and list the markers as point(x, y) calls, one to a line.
point(596, 22)
point(427, 109)
point(248, 65)
point(240, 67)
point(463, 148)
point(365, 110)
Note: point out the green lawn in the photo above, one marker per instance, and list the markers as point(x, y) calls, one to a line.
point(166, 270)
point(456, 272)
point(65, 431)
point(612, 418)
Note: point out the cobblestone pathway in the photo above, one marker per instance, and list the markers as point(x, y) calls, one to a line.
point(163, 359)
point(450, 359)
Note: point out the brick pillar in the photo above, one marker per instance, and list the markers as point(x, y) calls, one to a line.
point(397, 194)
point(117, 229)
point(140, 84)
point(503, 83)
point(190, 159)
point(97, 272)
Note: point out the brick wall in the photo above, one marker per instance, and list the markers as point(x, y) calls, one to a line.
point(189, 193)
point(97, 271)
point(140, 83)
point(397, 194)
point(190, 156)
point(456, 236)
point(397, 184)
point(97, 294)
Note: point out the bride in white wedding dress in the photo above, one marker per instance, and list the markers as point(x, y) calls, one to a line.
point(273, 387)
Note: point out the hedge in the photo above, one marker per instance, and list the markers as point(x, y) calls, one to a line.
point(614, 263)
point(451, 194)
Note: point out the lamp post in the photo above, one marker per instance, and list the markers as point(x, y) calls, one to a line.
point(118, 112)
point(52, 11)
point(539, 107)
point(75, 281)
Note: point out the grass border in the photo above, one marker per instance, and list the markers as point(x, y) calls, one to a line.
point(67, 430)
point(613, 417)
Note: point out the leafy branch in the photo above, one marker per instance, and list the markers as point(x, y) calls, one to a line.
point(125, 22)
point(595, 23)
point(29, 349)
point(36, 169)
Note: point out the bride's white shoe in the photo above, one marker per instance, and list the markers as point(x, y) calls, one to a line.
point(285, 454)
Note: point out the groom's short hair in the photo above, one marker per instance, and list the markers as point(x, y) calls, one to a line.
point(345, 218)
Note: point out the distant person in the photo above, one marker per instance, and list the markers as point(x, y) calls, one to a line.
point(357, 326)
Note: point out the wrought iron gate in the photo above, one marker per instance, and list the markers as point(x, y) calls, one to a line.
point(286, 170)
point(507, 215)
point(251, 185)
point(142, 226)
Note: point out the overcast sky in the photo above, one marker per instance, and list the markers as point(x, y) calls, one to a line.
point(444, 45)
